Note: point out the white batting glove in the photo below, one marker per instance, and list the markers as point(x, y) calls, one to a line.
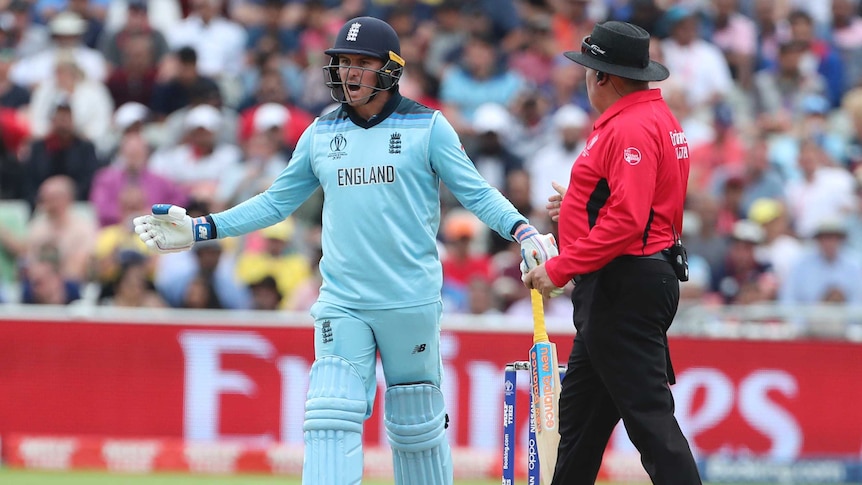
point(170, 230)
point(536, 249)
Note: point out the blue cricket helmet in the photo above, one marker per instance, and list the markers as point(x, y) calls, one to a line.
point(371, 37)
point(368, 36)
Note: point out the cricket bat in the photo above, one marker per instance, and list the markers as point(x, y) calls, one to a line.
point(545, 387)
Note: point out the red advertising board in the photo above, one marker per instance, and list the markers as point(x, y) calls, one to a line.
point(203, 383)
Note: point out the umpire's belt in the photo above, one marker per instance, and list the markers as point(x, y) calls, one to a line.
point(662, 255)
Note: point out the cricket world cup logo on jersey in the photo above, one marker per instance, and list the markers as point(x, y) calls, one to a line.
point(337, 147)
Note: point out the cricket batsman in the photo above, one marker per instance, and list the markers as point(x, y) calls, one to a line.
point(380, 159)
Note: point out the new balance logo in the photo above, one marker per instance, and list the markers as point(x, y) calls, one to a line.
point(419, 348)
point(353, 32)
point(203, 233)
point(326, 332)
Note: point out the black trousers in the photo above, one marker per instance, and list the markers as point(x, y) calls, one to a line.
point(620, 368)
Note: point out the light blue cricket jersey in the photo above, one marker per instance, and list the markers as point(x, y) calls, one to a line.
point(381, 211)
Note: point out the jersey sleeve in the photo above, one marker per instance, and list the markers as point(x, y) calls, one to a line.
point(631, 166)
point(457, 171)
point(288, 191)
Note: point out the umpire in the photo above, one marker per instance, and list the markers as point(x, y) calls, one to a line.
point(619, 222)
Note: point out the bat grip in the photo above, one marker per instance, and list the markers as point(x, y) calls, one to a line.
point(540, 334)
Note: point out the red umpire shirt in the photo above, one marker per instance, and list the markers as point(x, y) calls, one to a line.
point(626, 190)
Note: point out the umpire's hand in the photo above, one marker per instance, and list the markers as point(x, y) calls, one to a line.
point(538, 279)
point(555, 202)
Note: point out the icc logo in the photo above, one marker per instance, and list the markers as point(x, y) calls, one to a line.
point(338, 143)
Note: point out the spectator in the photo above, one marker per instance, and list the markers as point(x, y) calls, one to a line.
point(736, 36)
point(643, 13)
point(271, 253)
point(271, 91)
point(118, 239)
point(137, 26)
point(814, 123)
point(263, 163)
point(177, 81)
point(708, 241)
point(719, 157)
point(780, 248)
point(90, 101)
point(57, 223)
point(696, 64)
point(490, 153)
point(130, 169)
point(847, 37)
point(535, 57)
point(44, 284)
point(462, 263)
point(11, 95)
point(265, 294)
point(531, 130)
point(820, 54)
point(741, 278)
point(479, 78)
point(219, 42)
point(92, 13)
point(570, 23)
point(697, 128)
point(767, 16)
point(200, 293)
point(760, 179)
point(825, 269)
point(24, 36)
point(66, 31)
point(162, 15)
point(132, 287)
point(270, 35)
point(553, 162)
point(449, 37)
point(201, 278)
point(200, 163)
point(61, 152)
point(567, 85)
point(174, 125)
point(824, 190)
point(134, 79)
point(779, 93)
point(129, 118)
point(481, 299)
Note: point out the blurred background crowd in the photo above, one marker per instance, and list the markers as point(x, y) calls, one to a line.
point(109, 106)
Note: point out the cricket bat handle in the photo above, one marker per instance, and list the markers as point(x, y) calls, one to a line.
point(540, 334)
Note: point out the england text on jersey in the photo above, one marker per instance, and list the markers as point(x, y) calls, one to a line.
point(378, 174)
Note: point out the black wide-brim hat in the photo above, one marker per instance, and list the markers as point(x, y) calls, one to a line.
point(620, 49)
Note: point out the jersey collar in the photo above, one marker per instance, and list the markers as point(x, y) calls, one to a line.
point(626, 101)
point(387, 110)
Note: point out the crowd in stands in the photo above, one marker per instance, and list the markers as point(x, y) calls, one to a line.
point(109, 106)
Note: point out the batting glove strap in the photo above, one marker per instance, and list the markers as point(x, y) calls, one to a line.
point(204, 228)
point(526, 231)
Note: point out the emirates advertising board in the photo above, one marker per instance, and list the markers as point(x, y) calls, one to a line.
point(752, 410)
